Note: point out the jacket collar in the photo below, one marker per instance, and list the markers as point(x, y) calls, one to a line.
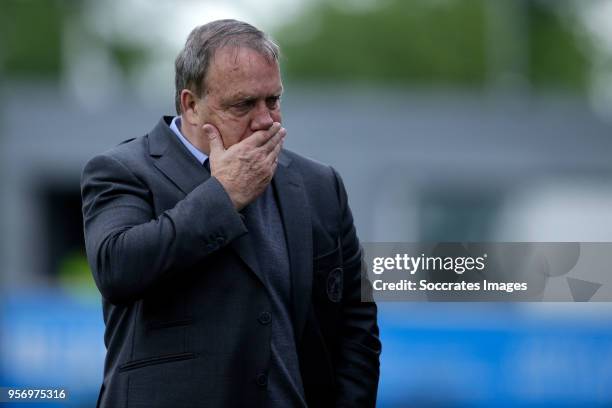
point(173, 159)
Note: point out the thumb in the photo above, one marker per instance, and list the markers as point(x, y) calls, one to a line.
point(214, 139)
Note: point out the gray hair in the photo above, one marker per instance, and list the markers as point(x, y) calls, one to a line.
point(192, 62)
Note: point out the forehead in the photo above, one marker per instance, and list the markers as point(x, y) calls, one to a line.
point(241, 70)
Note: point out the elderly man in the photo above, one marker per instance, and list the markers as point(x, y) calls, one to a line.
point(229, 268)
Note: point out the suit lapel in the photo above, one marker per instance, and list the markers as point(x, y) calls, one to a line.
point(177, 163)
point(243, 246)
point(173, 159)
point(295, 213)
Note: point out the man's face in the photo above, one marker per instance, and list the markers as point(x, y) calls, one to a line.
point(243, 92)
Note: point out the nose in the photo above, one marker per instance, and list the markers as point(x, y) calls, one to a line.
point(262, 117)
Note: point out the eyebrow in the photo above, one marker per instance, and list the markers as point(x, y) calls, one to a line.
point(240, 97)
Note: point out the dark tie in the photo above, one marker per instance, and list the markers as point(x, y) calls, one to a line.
point(207, 164)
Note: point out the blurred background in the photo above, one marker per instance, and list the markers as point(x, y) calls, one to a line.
point(452, 120)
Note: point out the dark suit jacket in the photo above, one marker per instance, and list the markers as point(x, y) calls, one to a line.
point(184, 301)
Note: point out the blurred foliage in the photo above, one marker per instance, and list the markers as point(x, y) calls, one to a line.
point(32, 43)
point(441, 42)
point(128, 56)
point(559, 51)
point(414, 41)
point(31, 38)
point(430, 42)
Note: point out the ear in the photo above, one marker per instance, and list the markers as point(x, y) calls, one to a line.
point(189, 107)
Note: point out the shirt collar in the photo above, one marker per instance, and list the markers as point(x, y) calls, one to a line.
point(197, 153)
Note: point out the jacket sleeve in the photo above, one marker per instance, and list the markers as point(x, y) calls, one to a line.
point(129, 249)
point(357, 365)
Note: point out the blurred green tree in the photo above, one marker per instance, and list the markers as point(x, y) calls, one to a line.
point(31, 38)
point(466, 43)
point(432, 42)
point(560, 52)
point(32, 43)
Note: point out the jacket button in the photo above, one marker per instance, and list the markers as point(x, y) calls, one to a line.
point(262, 380)
point(264, 317)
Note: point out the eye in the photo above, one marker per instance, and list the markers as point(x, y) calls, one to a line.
point(273, 102)
point(244, 106)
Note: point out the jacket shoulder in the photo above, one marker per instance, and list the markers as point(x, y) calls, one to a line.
point(321, 180)
point(308, 167)
point(133, 147)
point(130, 152)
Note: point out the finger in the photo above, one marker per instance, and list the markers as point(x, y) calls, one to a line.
point(261, 137)
point(274, 166)
point(214, 139)
point(272, 169)
point(272, 157)
point(275, 140)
